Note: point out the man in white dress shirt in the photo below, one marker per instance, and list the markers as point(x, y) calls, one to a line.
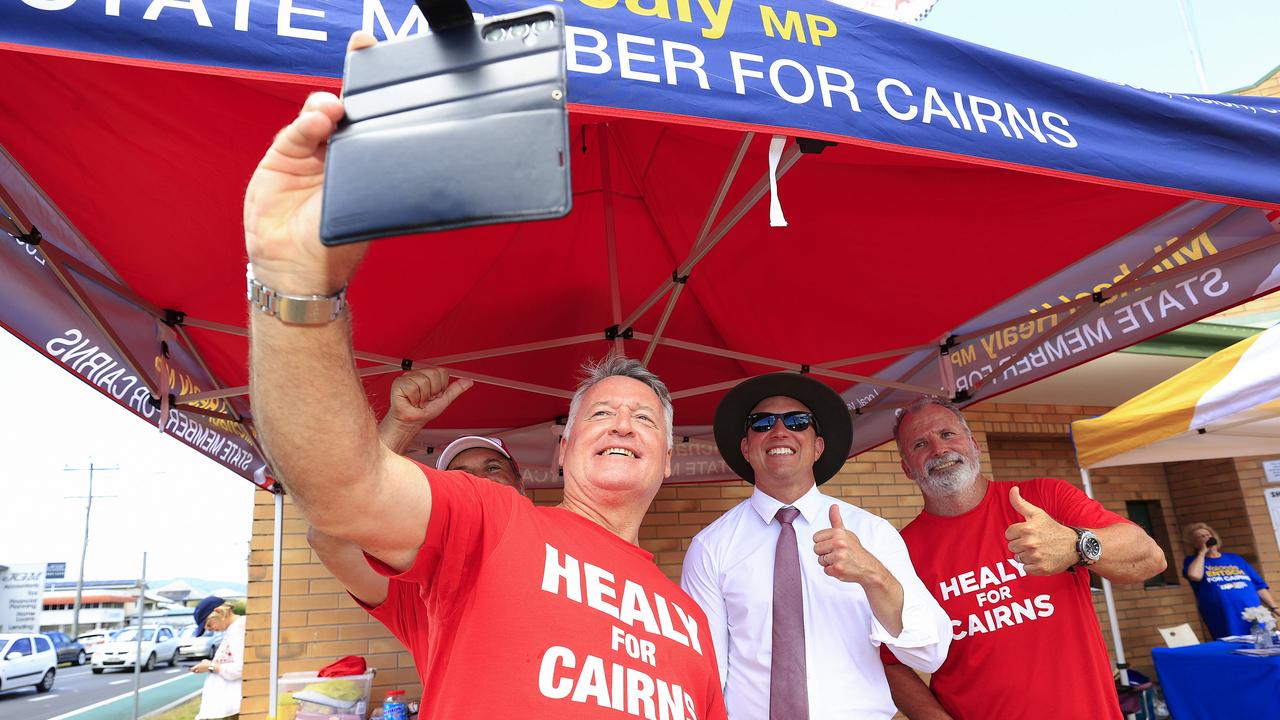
point(787, 434)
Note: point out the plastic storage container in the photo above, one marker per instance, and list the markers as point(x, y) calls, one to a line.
point(307, 696)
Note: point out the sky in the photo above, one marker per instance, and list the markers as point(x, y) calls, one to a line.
point(191, 516)
point(1138, 42)
point(194, 518)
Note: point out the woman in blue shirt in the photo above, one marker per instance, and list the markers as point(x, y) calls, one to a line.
point(1224, 583)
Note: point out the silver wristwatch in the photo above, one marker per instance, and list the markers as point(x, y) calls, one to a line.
point(1088, 547)
point(295, 309)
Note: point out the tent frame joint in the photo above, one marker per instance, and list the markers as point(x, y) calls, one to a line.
point(406, 364)
point(812, 146)
point(32, 238)
point(678, 279)
point(174, 318)
point(944, 348)
point(961, 396)
point(613, 332)
point(1098, 297)
point(154, 401)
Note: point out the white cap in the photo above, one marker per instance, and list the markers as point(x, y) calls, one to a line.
point(470, 442)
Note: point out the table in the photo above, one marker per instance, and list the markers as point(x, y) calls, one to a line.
point(1210, 682)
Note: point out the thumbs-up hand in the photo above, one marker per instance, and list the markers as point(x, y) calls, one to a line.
point(842, 555)
point(1043, 545)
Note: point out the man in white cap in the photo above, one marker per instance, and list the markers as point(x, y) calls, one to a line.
point(800, 588)
point(417, 398)
point(420, 396)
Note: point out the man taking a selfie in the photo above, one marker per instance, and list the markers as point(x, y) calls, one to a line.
point(531, 611)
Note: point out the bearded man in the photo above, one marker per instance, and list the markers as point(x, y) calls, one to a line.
point(1010, 564)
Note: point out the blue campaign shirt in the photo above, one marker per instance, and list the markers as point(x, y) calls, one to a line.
point(1230, 585)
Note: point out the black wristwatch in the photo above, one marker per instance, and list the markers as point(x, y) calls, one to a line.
point(1088, 547)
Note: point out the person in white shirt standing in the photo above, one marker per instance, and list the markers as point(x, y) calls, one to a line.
point(801, 589)
point(220, 699)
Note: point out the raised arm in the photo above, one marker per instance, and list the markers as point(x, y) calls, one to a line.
point(1045, 546)
point(1195, 569)
point(1130, 554)
point(911, 623)
point(417, 397)
point(308, 403)
point(346, 561)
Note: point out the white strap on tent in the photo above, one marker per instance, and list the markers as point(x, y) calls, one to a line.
point(775, 207)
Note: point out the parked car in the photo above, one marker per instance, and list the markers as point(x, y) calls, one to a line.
point(190, 646)
point(93, 638)
point(27, 659)
point(159, 644)
point(69, 650)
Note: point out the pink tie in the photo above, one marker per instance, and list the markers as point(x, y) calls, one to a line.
point(788, 680)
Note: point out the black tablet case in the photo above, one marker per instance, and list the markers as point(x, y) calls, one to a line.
point(464, 126)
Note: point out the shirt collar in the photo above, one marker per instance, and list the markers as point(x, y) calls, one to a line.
point(810, 505)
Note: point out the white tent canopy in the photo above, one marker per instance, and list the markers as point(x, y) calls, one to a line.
point(1227, 405)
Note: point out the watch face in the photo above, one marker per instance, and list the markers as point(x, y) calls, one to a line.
point(1091, 547)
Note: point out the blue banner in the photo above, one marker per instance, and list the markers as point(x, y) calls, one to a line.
point(812, 68)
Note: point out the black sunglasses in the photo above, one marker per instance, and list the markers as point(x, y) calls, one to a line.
point(795, 421)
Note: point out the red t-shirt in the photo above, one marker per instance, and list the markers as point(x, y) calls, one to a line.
point(1022, 646)
point(537, 612)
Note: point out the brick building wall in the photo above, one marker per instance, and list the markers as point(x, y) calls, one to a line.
point(320, 622)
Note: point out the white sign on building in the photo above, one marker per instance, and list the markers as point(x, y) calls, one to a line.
point(21, 597)
point(1273, 507)
point(1272, 470)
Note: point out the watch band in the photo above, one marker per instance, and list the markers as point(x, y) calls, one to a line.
point(295, 309)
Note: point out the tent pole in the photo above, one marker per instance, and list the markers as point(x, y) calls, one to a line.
point(610, 236)
point(896, 352)
point(725, 182)
point(679, 280)
point(274, 664)
point(784, 364)
point(77, 293)
point(662, 323)
point(1111, 603)
point(700, 249)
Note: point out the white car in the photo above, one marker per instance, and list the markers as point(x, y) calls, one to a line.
point(94, 638)
point(27, 660)
point(159, 644)
point(190, 646)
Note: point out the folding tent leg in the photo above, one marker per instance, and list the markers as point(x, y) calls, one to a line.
point(1111, 604)
point(274, 664)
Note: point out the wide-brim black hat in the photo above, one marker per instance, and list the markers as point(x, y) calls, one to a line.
point(830, 410)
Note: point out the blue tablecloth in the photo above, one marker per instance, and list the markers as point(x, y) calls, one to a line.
point(1210, 682)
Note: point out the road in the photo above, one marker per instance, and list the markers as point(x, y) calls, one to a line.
point(80, 695)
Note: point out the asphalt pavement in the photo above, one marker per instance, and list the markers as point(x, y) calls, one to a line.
point(80, 695)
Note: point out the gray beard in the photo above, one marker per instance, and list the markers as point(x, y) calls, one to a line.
point(957, 478)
